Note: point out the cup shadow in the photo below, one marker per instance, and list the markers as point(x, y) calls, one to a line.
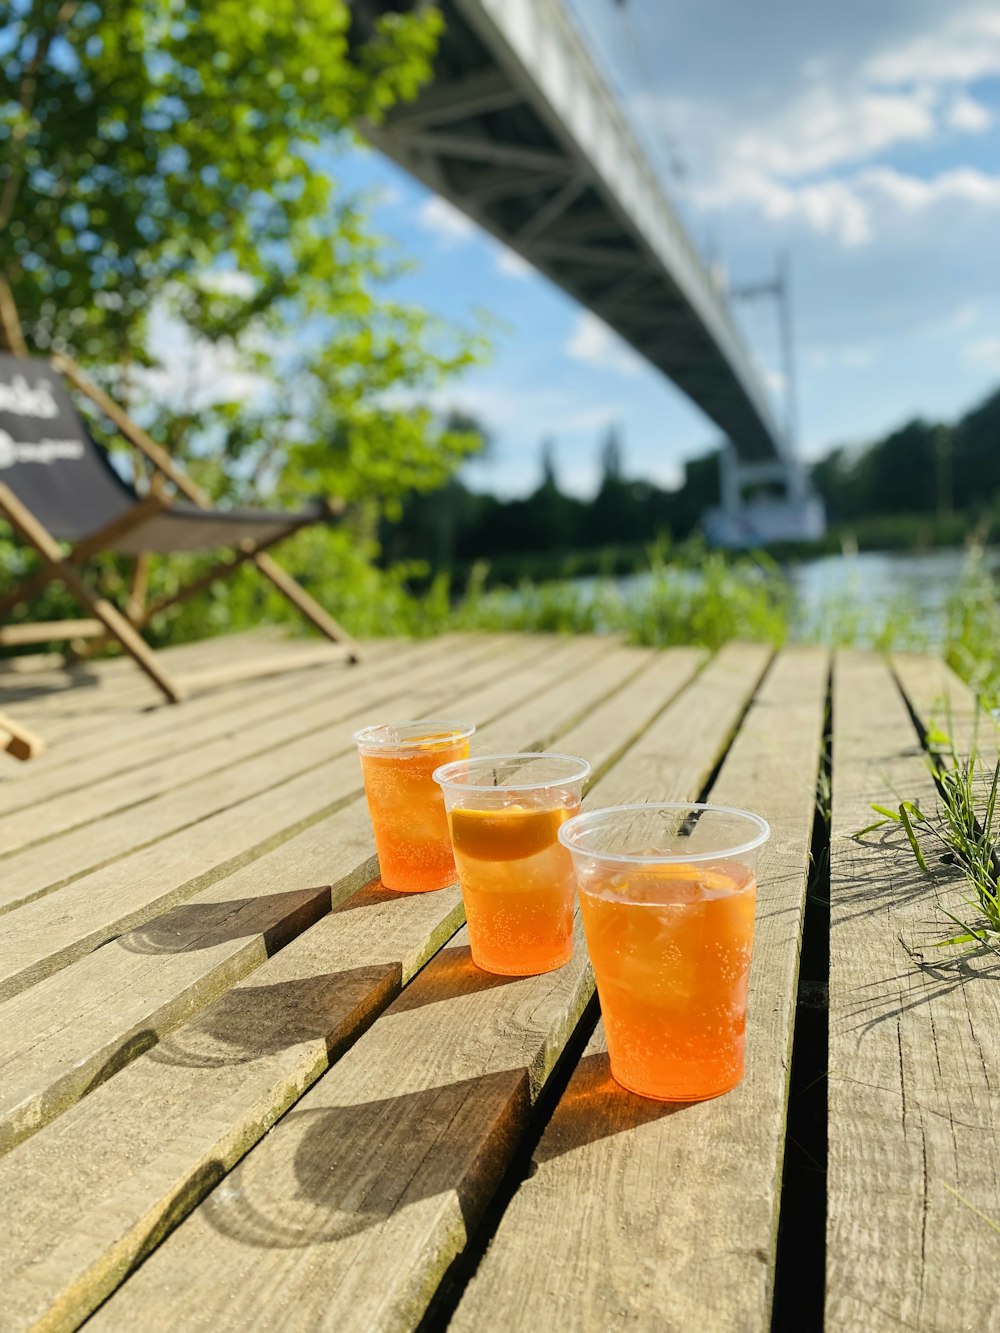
point(595, 1107)
point(251, 1022)
point(278, 917)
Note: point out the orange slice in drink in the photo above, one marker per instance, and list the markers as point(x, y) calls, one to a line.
point(510, 834)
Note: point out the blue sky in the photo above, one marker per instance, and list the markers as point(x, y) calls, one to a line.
point(863, 140)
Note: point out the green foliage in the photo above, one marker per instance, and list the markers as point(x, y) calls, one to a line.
point(146, 141)
point(695, 597)
point(973, 629)
point(173, 160)
point(962, 831)
point(929, 468)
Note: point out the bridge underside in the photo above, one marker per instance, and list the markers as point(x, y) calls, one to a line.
point(567, 187)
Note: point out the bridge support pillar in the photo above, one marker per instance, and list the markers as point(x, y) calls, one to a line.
point(763, 503)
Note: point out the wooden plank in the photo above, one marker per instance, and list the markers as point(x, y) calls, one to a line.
point(111, 685)
point(101, 1183)
point(644, 682)
point(941, 699)
point(617, 1182)
point(913, 1181)
point(384, 1166)
point(82, 1228)
point(82, 760)
point(84, 700)
point(19, 741)
point(67, 857)
point(659, 767)
point(81, 756)
point(44, 935)
point(61, 1037)
point(308, 709)
point(12, 636)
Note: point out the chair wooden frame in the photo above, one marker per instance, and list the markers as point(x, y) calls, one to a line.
point(106, 621)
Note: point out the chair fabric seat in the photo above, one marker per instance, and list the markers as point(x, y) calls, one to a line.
point(185, 527)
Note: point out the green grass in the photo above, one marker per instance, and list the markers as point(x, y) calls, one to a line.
point(961, 832)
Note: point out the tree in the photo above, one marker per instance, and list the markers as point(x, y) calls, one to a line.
point(170, 163)
point(611, 458)
point(145, 142)
point(550, 480)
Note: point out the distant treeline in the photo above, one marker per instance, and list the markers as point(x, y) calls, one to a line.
point(924, 469)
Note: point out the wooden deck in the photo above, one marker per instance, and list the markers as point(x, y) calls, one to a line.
point(244, 1087)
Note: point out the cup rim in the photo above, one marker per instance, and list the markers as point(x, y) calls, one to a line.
point(589, 818)
point(442, 775)
point(451, 731)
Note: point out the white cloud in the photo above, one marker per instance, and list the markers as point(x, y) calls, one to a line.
point(510, 263)
point(964, 48)
point(985, 352)
point(592, 342)
point(968, 116)
point(449, 225)
point(825, 129)
point(855, 209)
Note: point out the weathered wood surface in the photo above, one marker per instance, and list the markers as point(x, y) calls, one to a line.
point(942, 701)
point(668, 1213)
point(64, 1031)
point(66, 856)
point(263, 803)
point(314, 707)
point(365, 934)
point(137, 741)
point(189, 980)
point(387, 1162)
point(913, 1231)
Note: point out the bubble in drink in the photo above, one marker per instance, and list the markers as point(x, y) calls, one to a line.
point(405, 804)
point(518, 886)
point(671, 946)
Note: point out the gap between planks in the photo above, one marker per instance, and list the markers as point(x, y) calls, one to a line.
point(319, 991)
point(388, 1161)
point(264, 804)
point(65, 1034)
point(618, 1183)
point(913, 1189)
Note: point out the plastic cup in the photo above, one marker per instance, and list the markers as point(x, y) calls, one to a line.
point(405, 804)
point(505, 812)
point(667, 895)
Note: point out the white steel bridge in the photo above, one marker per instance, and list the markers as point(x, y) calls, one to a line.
point(520, 131)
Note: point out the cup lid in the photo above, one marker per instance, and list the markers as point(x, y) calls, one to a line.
point(458, 775)
point(580, 834)
point(422, 733)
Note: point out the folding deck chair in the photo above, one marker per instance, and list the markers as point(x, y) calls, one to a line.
point(57, 485)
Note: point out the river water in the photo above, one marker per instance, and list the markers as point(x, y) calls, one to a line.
point(876, 587)
point(841, 598)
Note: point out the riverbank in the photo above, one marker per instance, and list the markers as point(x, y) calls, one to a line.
point(911, 533)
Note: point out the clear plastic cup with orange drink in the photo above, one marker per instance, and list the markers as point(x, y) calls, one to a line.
point(405, 804)
point(667, 896)
point(505, 812)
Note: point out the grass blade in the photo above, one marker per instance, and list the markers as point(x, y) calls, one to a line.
point(904, 816)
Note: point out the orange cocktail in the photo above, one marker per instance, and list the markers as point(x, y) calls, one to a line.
point(406, 807)
point(669, 929)
point(505, 813)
